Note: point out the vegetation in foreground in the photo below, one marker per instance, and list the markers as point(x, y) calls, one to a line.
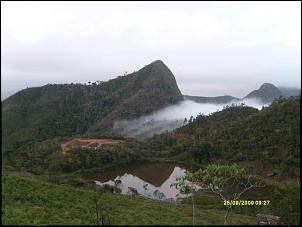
point(28, 201)
point(230, 183)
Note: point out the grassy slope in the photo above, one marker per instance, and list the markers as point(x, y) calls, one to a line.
point(33, 202)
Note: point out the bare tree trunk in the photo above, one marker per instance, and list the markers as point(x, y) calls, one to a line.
point(231, 215)
point(97, 213)
point(193, 209)
point(226, 216)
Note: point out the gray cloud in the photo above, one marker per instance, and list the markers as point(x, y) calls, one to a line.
point(171, 117)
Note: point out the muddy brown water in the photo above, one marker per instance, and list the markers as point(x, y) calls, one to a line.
point(153, 180)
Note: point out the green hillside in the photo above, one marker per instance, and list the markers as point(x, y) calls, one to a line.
point(57, 110)
point(267, 142)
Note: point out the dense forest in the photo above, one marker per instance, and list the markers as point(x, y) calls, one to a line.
point(238, 133)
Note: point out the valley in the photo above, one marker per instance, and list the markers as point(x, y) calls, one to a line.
point(55, 135)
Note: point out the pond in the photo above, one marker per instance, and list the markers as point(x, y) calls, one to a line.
point(151, 180)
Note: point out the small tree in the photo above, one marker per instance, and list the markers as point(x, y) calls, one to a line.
point(219, 179)
point(186, 187)
point(100, 213)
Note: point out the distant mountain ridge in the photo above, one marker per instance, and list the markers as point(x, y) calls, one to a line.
point(288, 92)
point(265, 94)
point(216, 100)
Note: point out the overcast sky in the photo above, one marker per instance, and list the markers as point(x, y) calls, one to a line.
point(212, 48)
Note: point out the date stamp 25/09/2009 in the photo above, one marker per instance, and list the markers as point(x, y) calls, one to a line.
point(246, 202)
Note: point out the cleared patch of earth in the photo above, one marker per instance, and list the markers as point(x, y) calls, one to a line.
point(84, 142)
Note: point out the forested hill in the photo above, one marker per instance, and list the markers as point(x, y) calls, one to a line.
point(266, 93)
point(56, 110)
point(270, 138)
point(152, 88)
point(217, 100)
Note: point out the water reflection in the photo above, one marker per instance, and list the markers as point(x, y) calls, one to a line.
point(151, 180)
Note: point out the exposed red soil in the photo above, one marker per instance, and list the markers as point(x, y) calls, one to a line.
point(83, 142)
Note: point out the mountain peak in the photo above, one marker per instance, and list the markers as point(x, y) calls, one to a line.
point(158, 66)
point(157, 62)
point(267, 86)
point(153, 87)
point(266, 93)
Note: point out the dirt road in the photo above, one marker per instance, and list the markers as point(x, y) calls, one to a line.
point(84, 142)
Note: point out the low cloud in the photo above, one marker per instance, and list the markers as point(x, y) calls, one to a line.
point(171, 117)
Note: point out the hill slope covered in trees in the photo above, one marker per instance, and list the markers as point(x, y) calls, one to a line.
point(267, 142)
point(56, 110)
